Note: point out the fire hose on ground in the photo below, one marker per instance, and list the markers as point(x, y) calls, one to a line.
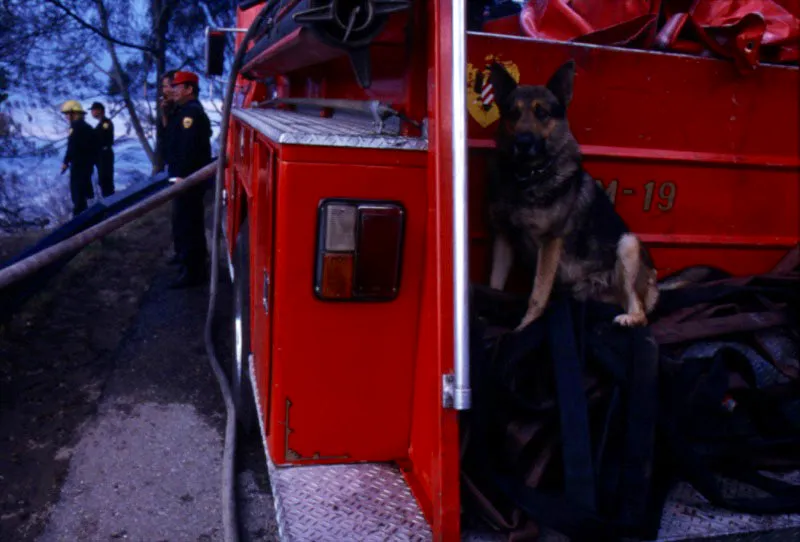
point(24, 268)
point(230, 524)
point(35, 262)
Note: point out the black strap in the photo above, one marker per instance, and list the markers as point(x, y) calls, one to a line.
point(559, 513)
point(673, 300)
point(784, 500)
point(696, 469)
point(573, 513)
point(777, 488)
point(573, 409)
point(627, 445)
point(641, 418)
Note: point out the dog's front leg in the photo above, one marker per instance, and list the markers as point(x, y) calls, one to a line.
point(546, 266)
point(502, 259)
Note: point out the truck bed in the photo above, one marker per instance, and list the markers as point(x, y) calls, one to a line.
point(371, 502)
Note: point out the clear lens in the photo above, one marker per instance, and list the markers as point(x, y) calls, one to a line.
point(340, 228)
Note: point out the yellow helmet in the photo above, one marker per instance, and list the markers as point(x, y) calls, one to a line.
point(72, 106)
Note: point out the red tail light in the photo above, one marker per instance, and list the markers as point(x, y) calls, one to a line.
point(359, 250)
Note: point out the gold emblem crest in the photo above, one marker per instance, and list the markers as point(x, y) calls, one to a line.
point(480, 94)
point(187, 122)
point(105, 125)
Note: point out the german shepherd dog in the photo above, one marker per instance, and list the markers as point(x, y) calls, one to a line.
point(544, 207)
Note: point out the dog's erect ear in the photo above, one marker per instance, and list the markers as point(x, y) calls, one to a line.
point(560, 84)
point(502, 83)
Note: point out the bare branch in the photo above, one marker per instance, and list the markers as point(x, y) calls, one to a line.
point(207, 12)
point(100, 68)
point(103, 34)
point(126, 95)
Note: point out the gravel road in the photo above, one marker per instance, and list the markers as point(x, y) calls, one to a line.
point(141, 459)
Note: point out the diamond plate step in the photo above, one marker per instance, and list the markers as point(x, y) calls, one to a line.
point(371, 502)
point(688, 516)
point(333, 503)
point(367, 502)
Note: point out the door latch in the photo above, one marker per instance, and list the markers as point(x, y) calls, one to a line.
point(265, 294)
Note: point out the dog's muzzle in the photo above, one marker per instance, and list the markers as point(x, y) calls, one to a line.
point(528, 145)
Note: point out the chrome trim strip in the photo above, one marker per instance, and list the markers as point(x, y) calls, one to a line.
point(461, 394)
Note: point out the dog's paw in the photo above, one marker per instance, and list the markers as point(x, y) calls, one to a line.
point(530, 316)
point(631, 320)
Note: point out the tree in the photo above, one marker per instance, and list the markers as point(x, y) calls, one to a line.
point(118, 49)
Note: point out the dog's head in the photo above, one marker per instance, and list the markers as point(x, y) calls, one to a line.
point(533, 119)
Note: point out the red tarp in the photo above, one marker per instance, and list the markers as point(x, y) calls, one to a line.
point(746, 31)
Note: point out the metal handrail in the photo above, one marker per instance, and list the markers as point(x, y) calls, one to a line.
point(462, 395)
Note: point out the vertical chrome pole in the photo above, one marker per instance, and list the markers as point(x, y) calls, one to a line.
point(462, 395)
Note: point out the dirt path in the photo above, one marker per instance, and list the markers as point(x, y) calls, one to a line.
point(105, 389)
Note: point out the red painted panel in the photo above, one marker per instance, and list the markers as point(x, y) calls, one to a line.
point(344, 370)
point(261, 216)
point(701, 160)
point(679, 206)
point(644, 100)
point(641, 117)
point(399, 70)
point(242, 141)
point(434, 439)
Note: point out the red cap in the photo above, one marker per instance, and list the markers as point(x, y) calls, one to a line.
point(185, 77)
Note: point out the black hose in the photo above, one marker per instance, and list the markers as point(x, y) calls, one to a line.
point(35, 262)
point(229, 521)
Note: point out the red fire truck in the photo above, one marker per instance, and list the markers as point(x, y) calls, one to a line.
point(354, 220)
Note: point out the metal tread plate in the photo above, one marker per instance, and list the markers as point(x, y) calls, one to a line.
point(342, 130)
point(332, 503)
point(689, 516)
point(367, 502)
point(371, 502)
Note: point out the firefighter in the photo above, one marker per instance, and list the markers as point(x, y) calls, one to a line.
point(104, 137)
point(80, 156)
point(167, 109)
point(167, 115)
point(166, 104)
point(188, 149)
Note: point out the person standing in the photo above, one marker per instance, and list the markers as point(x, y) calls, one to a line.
point(167, 112)
point(189, 149)
point(104, 136)
point(80, 156)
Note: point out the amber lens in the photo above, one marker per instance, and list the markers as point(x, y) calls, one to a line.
point(337, 276)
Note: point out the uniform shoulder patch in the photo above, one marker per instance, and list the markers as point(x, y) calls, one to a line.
point(106, 125)
point(187, 122)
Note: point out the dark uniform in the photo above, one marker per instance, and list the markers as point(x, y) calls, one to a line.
point(188, 146)
point(166, 152)
point(80, 157)
point(104, 135)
